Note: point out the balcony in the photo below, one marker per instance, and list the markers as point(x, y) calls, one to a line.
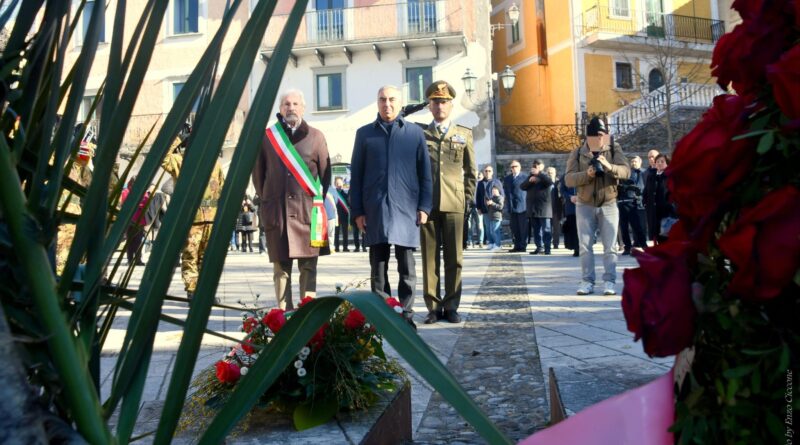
point(612, 28)
point(414, 23)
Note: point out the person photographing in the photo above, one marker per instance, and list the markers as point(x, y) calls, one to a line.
point(594, 169)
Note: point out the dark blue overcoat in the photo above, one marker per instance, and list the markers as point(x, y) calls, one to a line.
point(390, 179)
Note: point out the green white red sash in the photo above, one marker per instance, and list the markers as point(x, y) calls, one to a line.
point(311, 185)
point(340, 200)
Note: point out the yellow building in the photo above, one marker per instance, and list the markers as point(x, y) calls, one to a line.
point(627, 59)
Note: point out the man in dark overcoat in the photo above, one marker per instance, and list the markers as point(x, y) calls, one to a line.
point(453, 174)
point(539, 206)
point(515, 204)
point(285, 209)
point(390, 193)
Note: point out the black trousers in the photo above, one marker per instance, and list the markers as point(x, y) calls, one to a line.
point(406, 268)
point(135, 240)
point(570, 232)
point(629, 215)
point(341, 231)
point(356, 235)
point(519, 230)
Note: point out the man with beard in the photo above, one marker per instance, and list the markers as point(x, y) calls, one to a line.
point(292, 195)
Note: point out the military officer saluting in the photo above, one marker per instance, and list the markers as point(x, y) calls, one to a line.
point(454, 177)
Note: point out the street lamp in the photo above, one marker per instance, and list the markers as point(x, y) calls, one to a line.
point(507, 79)
point(513, 15)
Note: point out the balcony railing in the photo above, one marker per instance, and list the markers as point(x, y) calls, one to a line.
point(601, 19)
point(370, 23)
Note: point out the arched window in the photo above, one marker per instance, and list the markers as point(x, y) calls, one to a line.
point(655, 80)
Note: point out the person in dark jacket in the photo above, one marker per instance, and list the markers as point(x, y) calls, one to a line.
point(539, 206)
point(483, 195)
point(391, 154)
point(557, 204)
point(570, 225)
point(656, 196)
point(343, 215)
point(515, 204)
point(631, 208)
point(651, 170)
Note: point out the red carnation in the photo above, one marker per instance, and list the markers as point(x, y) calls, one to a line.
point(784, 75)
point(305, 300)
point(247, 348)
point(764, 245)
point(227, 372)
point(249, 324)
point(393, 302)
point(275, 319)
point(354, 320)
point(656, 298)
point(707, 164)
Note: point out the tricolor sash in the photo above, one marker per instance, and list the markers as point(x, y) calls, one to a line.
point(340, 200)
point(311, 185)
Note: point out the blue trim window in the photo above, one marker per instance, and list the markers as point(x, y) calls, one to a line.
point(418, 79)
point(176, 89)
point(329, 92)
point(186, 15)
point(87, 17)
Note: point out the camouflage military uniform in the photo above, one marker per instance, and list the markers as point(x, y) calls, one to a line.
point(81, 174)
point(199, 234)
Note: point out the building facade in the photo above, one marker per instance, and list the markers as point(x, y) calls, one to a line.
point(629, 60)
point(345, 50)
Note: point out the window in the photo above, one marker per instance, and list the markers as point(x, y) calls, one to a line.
point(620, 8)
point(421, 16)
point(86, 19)
point(185, 16)
point(329, 92)
point(330, 19)
point(176, 89)
point(515, 33)
point(418, 79)
point(86, 106)
point(624, 75)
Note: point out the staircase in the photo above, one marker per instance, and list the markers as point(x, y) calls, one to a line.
point(653, 105)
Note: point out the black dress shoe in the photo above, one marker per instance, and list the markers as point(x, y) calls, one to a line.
point(537, 251)
point(547, 252)
point(575, 253)
point(432, 318)
point(345, 250)
point(452, 316)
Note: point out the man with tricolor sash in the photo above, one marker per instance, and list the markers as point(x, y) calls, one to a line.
point(292, 175)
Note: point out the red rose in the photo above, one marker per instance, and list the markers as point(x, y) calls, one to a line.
point(657, 298)
point(784, 75)
point(741, 56)
point(275, 319)
point(227, 372)
point(764, 246)
point(247, 348)
point(354, 320)
point(249, 324)
point(707, 164)
point(305, 300)
point(319, 337)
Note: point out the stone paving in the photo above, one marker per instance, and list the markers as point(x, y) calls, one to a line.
point(520, 314)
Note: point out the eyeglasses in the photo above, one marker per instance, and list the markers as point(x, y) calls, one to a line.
point(488, 170)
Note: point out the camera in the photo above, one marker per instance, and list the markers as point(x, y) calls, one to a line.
point(599, 170)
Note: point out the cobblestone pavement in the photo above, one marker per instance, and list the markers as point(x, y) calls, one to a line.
point(496, 361)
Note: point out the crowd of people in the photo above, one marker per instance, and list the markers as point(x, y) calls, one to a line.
point(432, 197)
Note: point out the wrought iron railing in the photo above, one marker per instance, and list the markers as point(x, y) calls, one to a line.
point(647, 24)
point(375, 22)
point(654, 104)
point(520, 139)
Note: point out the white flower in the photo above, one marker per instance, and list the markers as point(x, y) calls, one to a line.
point(398, 309)
point(305, 351)
point(367, 326)
point(298, 364)
point(254, 356)
point(244, 370)
point(301, 372)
